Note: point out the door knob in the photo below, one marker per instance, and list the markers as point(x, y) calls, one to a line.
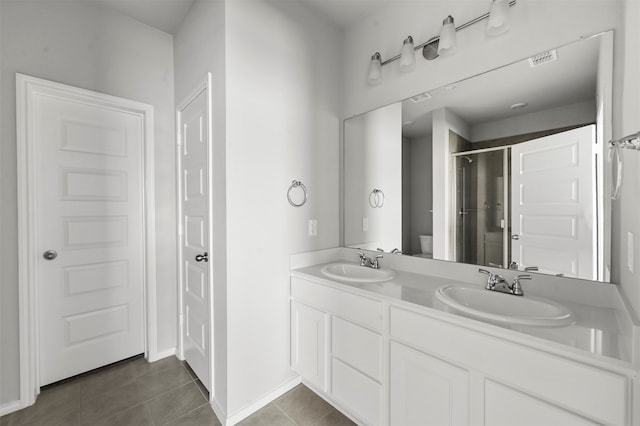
point(50, 254)
point(202, 257)
point(515, 237)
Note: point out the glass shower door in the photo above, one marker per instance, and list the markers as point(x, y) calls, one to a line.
point(481, 207)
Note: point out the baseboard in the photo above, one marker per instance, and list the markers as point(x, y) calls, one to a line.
point(242, 414)
point(153, 357)
point(218, 411)
point(10, 407)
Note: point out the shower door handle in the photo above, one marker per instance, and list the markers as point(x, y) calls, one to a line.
point(515, 237)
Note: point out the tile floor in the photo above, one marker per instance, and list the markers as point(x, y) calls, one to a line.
point(166, 392)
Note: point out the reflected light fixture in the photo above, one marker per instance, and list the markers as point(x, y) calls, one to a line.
point(375, 70)
point(448, 42)
point(407, 55)
point(498, 22)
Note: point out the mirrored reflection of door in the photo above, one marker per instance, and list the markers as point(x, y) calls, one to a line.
point(480, 214)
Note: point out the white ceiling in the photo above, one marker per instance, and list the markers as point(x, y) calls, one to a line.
point(344, 12)
point(167, 15)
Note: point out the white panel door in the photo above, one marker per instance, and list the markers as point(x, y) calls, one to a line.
point(554, 216)
point(425, 390)
point(194, 251)
point(89, 223)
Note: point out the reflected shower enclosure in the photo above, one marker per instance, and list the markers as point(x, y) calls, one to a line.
point(481, 205)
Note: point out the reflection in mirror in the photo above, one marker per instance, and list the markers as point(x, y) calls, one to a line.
point(503, 169)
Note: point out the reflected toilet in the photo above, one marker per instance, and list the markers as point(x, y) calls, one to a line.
point(426, 246)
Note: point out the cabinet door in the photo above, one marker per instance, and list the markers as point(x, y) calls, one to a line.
point(425, 390)
point(308, 343)
point(506, 406)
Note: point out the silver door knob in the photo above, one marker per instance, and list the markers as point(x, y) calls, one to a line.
point(202, 257)
point(515, 237)
point(50, 254)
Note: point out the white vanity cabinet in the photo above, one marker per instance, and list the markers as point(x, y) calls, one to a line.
point(387, 362)
point(308, 343)
point(508, 383)
point(336, 347)
point(425, 390)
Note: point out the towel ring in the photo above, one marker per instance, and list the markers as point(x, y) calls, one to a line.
point(376, 198)
point(297, 184)
point(616, 183)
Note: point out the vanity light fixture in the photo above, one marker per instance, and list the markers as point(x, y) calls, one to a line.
point(407, 55)
point(448, 42)
point(445, 43)
point(375, 70)
point(498, 22)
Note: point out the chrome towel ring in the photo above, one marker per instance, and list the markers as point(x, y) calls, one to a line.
point(297, 184)
point(615, 146)
point(376, 198)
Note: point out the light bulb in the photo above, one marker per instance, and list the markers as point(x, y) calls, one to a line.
point(375, 70)
point(498, 22)
point(407, 55)
point(448, 43)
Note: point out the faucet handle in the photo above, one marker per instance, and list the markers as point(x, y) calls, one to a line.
point(516, 288)
point(374, 263)
point(363, 259)
point(491, 279)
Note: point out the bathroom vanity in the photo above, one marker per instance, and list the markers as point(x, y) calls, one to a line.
point(391, 353)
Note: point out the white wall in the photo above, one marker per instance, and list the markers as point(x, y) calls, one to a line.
point(79, 44)
point(199, 49)
point(444, 121)
point(284, 103)
point(277, 108)
point(626, 210)
point(373, 155)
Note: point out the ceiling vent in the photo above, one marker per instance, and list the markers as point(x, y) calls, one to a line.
point(421, 97)
point(543, 58)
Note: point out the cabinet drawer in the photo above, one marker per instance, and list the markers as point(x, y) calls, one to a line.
point(357, 346)
point(358, 393)
point(359, 309)
point(594, 393)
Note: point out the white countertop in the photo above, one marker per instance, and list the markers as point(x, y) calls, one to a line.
point(597, 330)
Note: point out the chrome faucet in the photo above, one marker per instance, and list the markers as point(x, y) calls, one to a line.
point(496, 282)
point(372, 263)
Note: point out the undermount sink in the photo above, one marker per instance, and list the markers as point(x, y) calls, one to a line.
point(504, 308)
point(352, 272)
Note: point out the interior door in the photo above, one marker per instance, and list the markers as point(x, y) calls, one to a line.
point(554, 215)
point(194, 240)
point(88, 176)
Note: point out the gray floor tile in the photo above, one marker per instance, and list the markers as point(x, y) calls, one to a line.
point(203, 416)
point(55, 406)
point(303, 406)
point(136, 416)
point(161, 381)
point(174, 404)
point(268, 416)
point(334, 418)
point(110, 402)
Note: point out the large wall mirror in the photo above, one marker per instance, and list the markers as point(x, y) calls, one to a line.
point(504, 169)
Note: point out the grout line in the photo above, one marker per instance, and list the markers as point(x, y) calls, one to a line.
point(191, 411)
point(283, 412)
